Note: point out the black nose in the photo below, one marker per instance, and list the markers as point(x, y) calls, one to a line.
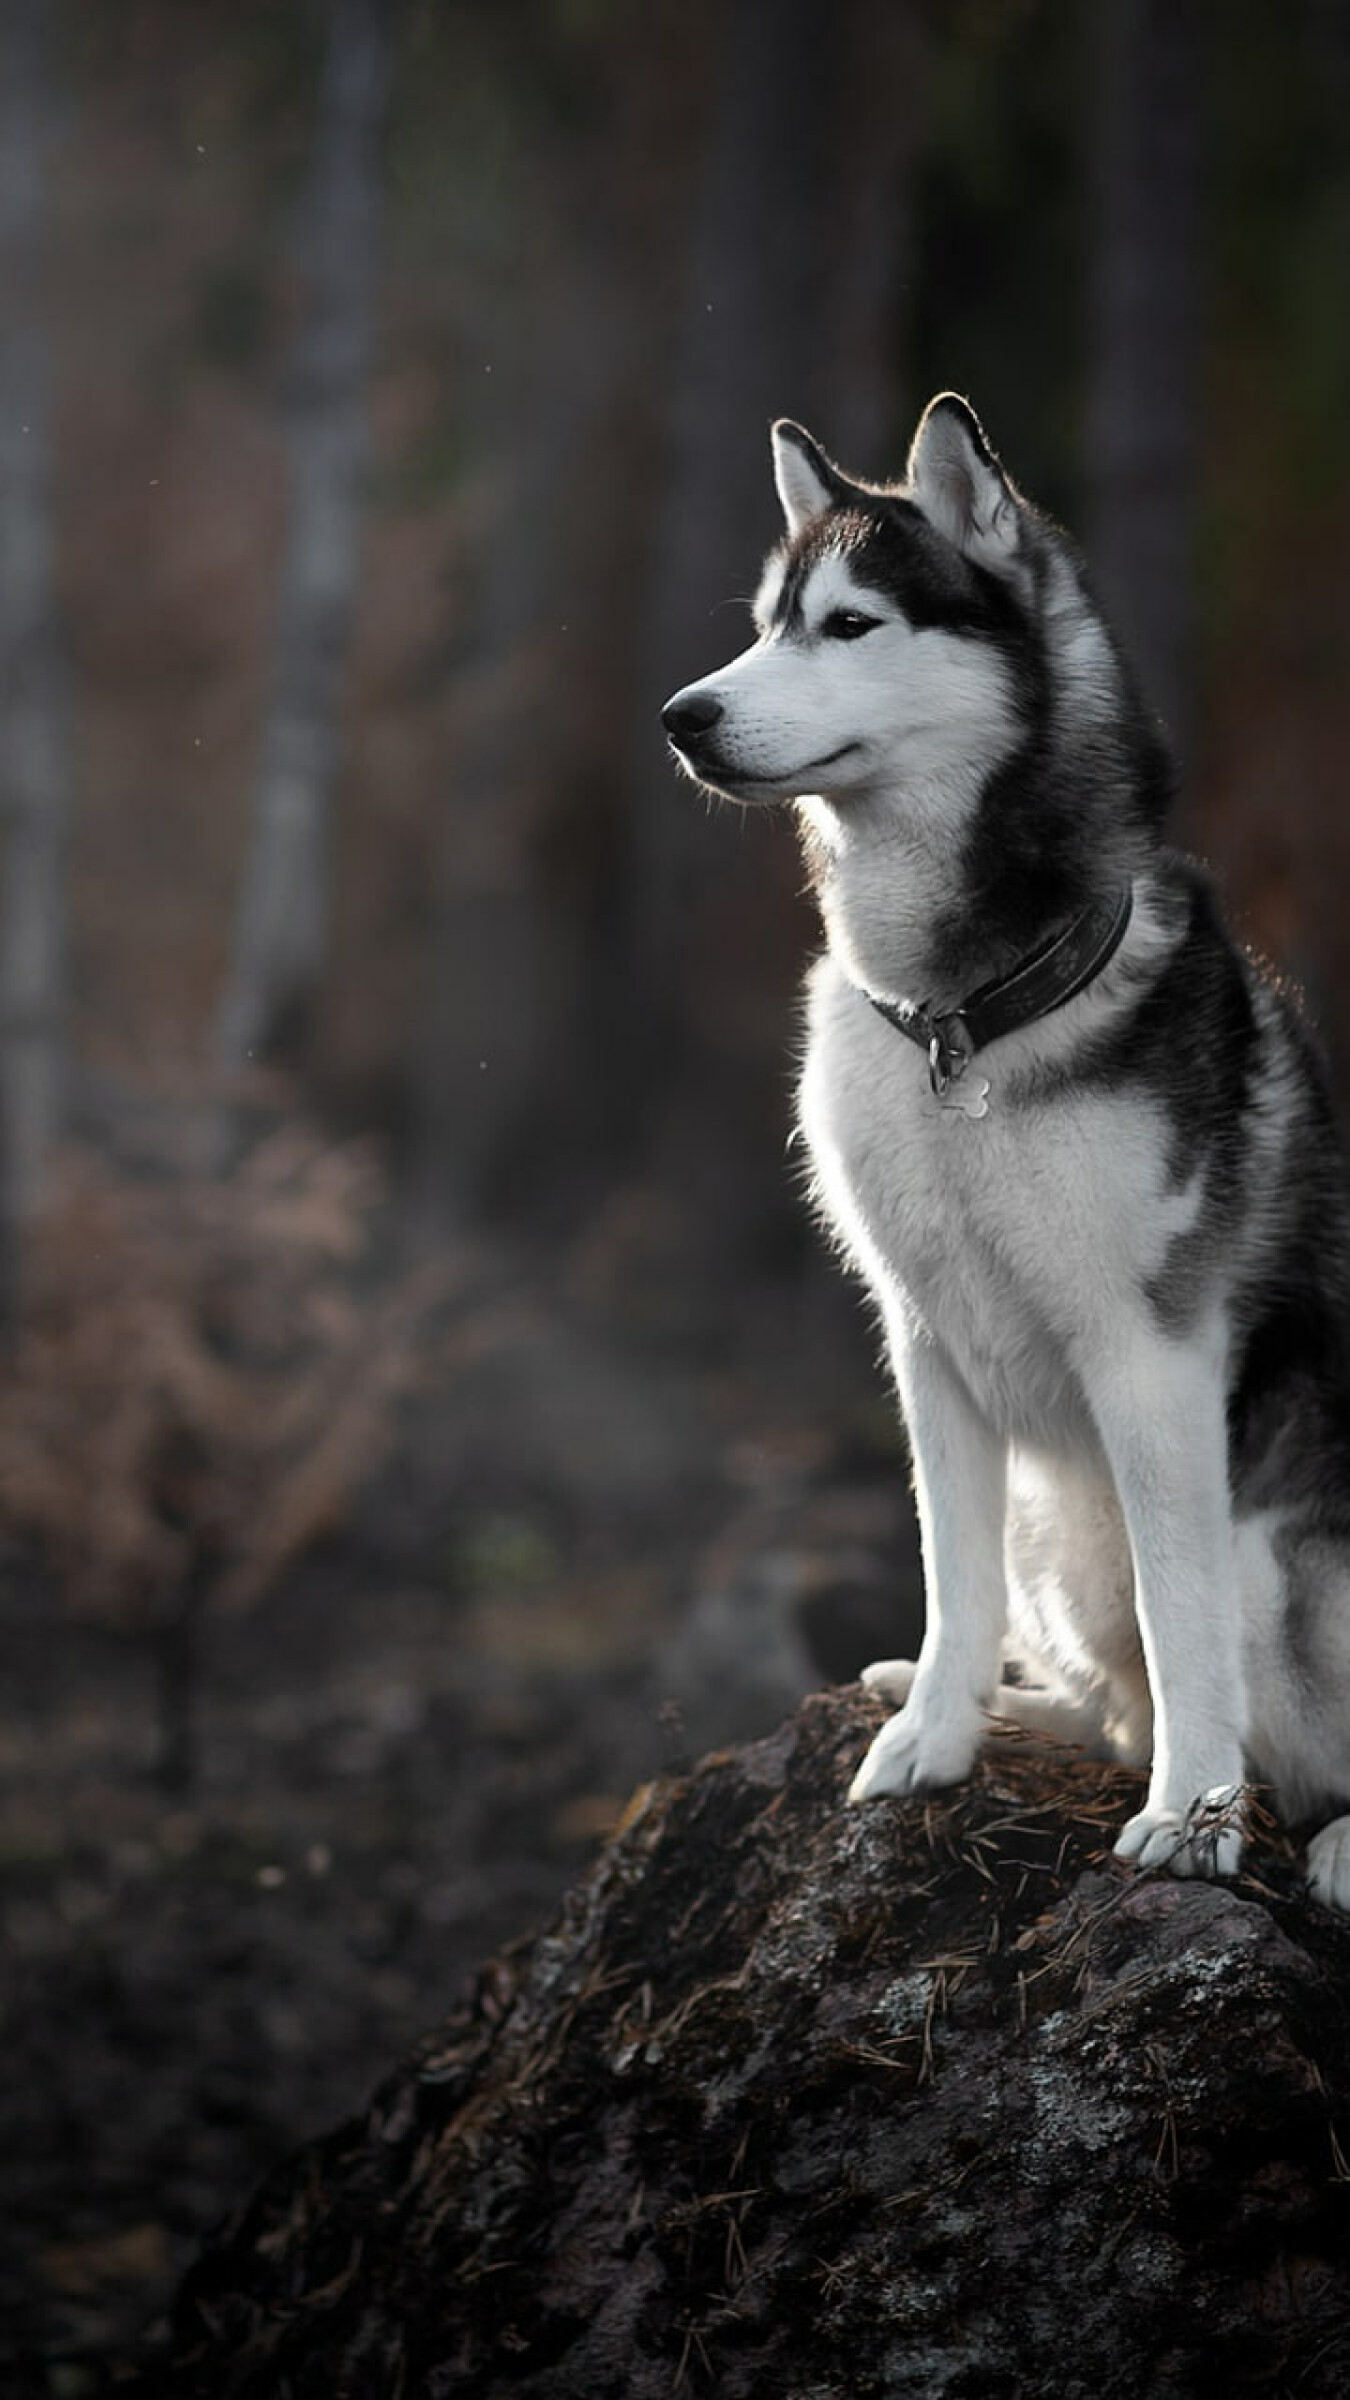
point(685, 719)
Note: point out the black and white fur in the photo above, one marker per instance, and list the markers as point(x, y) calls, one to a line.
point(1118, 1304)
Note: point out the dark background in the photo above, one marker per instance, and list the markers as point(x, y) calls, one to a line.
point(425, 1407)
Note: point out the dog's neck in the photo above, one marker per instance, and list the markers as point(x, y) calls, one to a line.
point(891, 876)
point(884, 872)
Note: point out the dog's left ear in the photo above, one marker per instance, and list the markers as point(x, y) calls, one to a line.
point(957, 481)
point(808, 482)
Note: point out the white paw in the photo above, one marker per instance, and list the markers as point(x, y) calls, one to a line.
point(914, 1753)
point(892, 1677)
point(1205, 1839)
point(1328, 1864)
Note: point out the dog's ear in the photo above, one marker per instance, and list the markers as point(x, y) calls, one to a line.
point(808, 482)
point(957, 481)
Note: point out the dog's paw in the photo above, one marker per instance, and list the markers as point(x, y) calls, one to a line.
point(893, 1678)
point(915, 1752)
point(1205, 1839)
point(1328, 1864)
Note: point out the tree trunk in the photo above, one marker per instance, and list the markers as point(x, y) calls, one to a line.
point(793, 292)
point(1145, 344)
point(491, 1026)
point(280, 928)
point(505, 1054)
point(926, 2097)
point(878, 117)
point(34, 691)
point(743, 354)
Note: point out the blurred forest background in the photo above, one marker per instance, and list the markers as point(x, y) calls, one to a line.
point(411, 1326)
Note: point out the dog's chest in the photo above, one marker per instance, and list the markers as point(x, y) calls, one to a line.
point(967, 1224)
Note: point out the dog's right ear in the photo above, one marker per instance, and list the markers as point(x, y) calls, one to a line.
point(808, 482)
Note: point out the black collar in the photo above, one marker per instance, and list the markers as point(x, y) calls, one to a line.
point(1063, 965)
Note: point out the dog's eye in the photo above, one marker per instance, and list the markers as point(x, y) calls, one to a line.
point(847, 625)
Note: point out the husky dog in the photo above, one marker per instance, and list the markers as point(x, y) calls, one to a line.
point(1078, 1145)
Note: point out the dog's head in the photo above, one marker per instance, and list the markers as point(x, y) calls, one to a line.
point(900, 628)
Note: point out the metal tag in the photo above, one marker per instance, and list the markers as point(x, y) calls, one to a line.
point(970, 1095)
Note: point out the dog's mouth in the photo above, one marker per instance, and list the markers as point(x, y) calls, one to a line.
point(738, 785)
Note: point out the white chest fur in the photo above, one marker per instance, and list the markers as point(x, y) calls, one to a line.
point(1010, 1239)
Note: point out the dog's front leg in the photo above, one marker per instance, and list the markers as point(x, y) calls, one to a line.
point(1159, 1408)
point(960, 1485)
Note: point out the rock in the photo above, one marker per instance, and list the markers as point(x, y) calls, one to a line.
point(927, 2098)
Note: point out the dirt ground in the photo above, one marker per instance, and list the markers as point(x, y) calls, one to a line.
point(616, 1541)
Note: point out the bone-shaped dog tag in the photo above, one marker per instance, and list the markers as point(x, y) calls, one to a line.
point(969, 1093)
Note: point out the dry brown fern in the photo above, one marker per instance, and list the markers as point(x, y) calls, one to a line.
point(205, 1372)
